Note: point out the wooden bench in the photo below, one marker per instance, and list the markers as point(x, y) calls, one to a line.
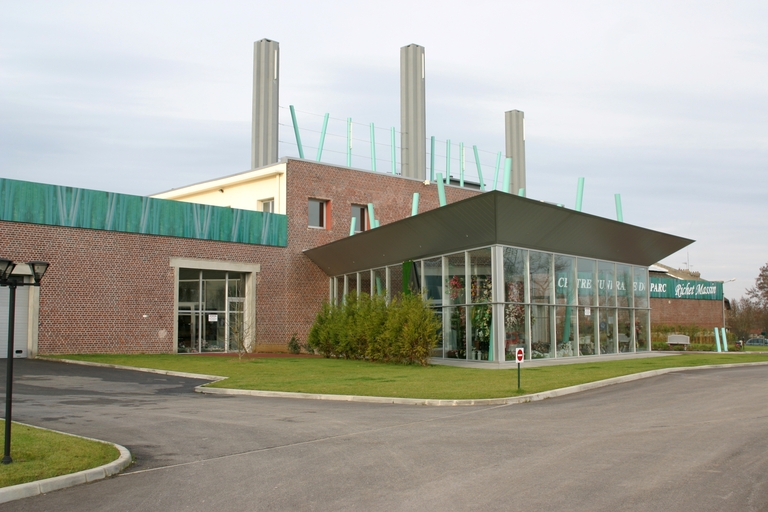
point(678, 339)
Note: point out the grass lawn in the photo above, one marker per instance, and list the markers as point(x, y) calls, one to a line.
point(756, 349)
point(39, 454)
point(343, 377)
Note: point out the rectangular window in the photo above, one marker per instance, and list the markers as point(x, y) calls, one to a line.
point(267, 205)
point(317, 213)
point(360, 214)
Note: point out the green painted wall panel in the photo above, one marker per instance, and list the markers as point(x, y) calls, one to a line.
point(667, 288)
point(38, 203)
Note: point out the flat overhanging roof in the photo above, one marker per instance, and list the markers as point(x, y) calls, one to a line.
point(496, 218)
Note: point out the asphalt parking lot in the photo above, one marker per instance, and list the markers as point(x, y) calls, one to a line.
point(691, 440)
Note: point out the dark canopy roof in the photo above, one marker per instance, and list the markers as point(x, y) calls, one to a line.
point(496, 218)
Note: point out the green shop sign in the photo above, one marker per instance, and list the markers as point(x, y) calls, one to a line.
point(666, 288)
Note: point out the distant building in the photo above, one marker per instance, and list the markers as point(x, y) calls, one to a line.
point(681, 297)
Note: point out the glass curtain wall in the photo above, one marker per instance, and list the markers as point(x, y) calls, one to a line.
point(515, 309)
point(565, 295)
point(553, 305)
point(455, 315)
point(541, 281)
point(480, 305)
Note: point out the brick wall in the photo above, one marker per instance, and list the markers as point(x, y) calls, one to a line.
point(101, 284)
point(391, 196)
point(703, 313)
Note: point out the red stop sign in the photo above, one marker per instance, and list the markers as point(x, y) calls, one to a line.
point(519, 354)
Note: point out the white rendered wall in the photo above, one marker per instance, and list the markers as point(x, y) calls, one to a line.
point(244, 191)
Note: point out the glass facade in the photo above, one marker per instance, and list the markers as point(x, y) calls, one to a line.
point(492, 300)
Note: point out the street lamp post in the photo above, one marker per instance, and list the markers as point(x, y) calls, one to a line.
point(6, 269)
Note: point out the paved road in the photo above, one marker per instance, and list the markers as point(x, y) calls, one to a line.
point(688, 441)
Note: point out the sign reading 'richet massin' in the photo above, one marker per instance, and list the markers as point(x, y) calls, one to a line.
point(665, 288)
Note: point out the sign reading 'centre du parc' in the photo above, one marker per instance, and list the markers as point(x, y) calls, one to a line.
point(665, 288)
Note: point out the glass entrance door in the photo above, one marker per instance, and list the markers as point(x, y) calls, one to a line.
point(211, 311)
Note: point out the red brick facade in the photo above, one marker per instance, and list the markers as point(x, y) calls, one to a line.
point(101, 284)
point(702, 313)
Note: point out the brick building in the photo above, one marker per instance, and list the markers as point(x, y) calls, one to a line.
point(171, 274)
point(129, 286)
point(683, 298)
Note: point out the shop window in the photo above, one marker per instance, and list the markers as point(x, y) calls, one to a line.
point(318, 213)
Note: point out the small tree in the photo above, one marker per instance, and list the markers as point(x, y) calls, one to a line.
point(242, 336)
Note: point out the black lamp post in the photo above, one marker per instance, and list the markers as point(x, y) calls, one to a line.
point(6, 269)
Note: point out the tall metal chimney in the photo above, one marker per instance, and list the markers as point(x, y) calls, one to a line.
point(413, 117)
point(266, 86)
point(515, 138)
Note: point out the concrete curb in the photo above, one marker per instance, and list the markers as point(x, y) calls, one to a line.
point(17, 492)
point(486, 401)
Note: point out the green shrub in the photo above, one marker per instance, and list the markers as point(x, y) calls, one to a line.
point(366, 327)
point(322, 335)
point(294, 347)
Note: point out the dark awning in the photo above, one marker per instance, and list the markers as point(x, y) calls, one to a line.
point(496, 218)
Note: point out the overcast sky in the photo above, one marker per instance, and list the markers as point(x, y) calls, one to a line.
point(665, 103)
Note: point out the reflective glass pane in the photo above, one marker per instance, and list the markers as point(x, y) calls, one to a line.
point(187, 329)
point(339, 289)
point(214, 328)
point(640, 287)
point(541, 276)
point(587, 282)
point(607, 330)
point(380, 282)
point(565, 331)
point(433, 281)
point(455, 278)
point(641, 330)
point(214, 274)
point(365, 282)
point(186, 274)
point(189, 291)
point(238, 337)
point(587, 331)
point(541, 332)
point(455, 333)
point(352, 283)
point(565, 279)
point(514, 274)
point(514, 329)
point(623, 286)
point(214, 294)
point(606, 277)
point(480, 275)
point(316, 213)
point(395, 281)
point(481, 322)
point(437, 351)
point(625, 330)
point(236, 285)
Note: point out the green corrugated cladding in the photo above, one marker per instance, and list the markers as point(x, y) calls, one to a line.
point(38, 203)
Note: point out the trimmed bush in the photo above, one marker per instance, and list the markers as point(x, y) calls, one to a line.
point(365, 327)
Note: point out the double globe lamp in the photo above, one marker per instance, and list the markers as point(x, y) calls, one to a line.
point(38, 268)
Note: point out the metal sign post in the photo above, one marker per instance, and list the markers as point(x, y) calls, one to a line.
point(519, 356)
